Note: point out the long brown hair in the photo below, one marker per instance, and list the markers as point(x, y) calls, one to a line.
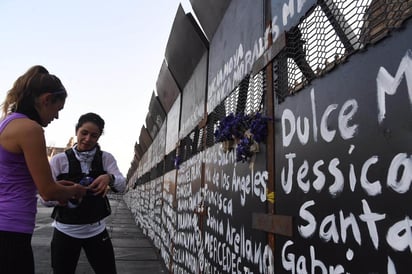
point(28, 87)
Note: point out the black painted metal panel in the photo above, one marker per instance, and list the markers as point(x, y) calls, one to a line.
point(234, 192)
point(172, 127)
point(184, 48)
point(188, 199)
point(286, 14)
point(209, 13)
point(193, 99)
point(158, 146)
point(150, 125)
point(166, 87)
point(168, 212)
point(155, 116)
point(144, 139)
point(138, 151)
point(236, 45)
point(343, 152)
point(156, 107)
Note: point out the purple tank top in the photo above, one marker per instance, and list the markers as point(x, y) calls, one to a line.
point(18, 201)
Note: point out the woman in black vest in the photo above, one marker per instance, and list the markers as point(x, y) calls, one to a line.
point(81, 223)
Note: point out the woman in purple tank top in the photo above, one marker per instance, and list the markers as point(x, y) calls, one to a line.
point(31, 104)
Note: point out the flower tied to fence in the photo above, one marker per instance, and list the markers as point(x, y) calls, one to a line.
point(243, 132)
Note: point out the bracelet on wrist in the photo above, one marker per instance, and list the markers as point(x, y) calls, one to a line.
point(111, 182)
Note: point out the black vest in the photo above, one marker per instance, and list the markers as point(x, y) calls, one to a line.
point(92, 208)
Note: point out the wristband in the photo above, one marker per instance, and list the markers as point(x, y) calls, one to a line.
point(111, 182)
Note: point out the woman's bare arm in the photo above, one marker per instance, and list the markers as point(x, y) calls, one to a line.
point(31, 140)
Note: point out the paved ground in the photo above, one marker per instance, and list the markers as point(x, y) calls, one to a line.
point(134, 252)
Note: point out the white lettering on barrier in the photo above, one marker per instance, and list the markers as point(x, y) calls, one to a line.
point(345, 115)
point(328, 229)
point(401, 165)
point(386, 84)
point(399, 236)
point(253, 183)
point(289, 10)
point(299, 265)
point(234, 70)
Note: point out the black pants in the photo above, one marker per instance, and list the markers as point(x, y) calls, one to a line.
point(65, 253)
point(16, 254)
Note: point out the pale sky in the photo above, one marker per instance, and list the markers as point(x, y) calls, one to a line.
point(107, 53)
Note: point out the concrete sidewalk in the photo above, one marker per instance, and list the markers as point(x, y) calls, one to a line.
point(133, 251)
